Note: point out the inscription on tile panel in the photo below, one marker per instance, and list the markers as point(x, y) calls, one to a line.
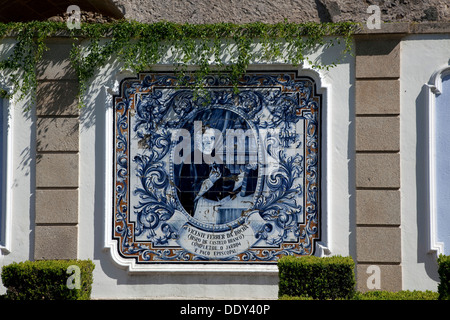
point(224, 175)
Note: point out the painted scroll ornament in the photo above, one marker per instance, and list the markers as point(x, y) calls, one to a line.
point(230, 177)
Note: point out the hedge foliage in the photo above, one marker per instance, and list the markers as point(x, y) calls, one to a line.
point(444, 276)
point(312, 277)
point(304, 278)
point(383, 295)
point(48, 280)
point(398, 295)
point(316, 277)
point(138, 46)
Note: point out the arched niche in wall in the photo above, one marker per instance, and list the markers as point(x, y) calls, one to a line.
point(439, 161)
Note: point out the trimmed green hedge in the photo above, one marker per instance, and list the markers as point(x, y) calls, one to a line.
point(302, 278)
point(444, 276)
point(48, 280)
point(398, 295)
point(383, 295)
point(308, 278)
point(316, 277)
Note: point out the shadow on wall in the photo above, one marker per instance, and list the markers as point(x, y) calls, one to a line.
point(352, 162)
point(24, 160)
point(57, 117)
point(327, 10)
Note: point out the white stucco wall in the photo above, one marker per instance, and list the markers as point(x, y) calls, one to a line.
point(20, 185)
point(113, 281)
point(421, 55)
point(19, 154)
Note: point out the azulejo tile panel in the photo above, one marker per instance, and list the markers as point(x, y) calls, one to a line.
point(216, 176)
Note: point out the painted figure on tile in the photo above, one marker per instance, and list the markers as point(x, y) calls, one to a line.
point(215, 186)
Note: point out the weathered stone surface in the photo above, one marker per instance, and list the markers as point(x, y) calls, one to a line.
point(377, 133)
point(57, 98)
point(56, 206)
point(390, 277)
point(243, 11)
point(392, 28)
point(378, 170)
point(57, 170)
point(378, 244)
point(378, 207)
point(431, 27)
point(85, 17)
point(55, 242)
point(57, 134)
point(55, 63)
point(377, 97)
point(378, 58)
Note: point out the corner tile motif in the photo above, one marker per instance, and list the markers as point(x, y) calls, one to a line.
point(224, 176)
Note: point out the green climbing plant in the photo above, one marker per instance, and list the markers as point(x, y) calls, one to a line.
point(198, 49)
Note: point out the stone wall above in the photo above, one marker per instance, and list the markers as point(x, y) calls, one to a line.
point(269, 11)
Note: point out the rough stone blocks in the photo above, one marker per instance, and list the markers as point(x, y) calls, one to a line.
point(378, 58)
point(56, 206)
point(57, 134)
point(57, 170)
point(382, 277)
point(377, 97)
point(55, 242)
point(57, 98)
point(379, 244)
point(378, 207)
point(378, 170)
point(377, 134)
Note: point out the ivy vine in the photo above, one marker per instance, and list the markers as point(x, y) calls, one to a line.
point(220, 47)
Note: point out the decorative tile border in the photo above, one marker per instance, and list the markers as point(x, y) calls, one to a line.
point(265, 199)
